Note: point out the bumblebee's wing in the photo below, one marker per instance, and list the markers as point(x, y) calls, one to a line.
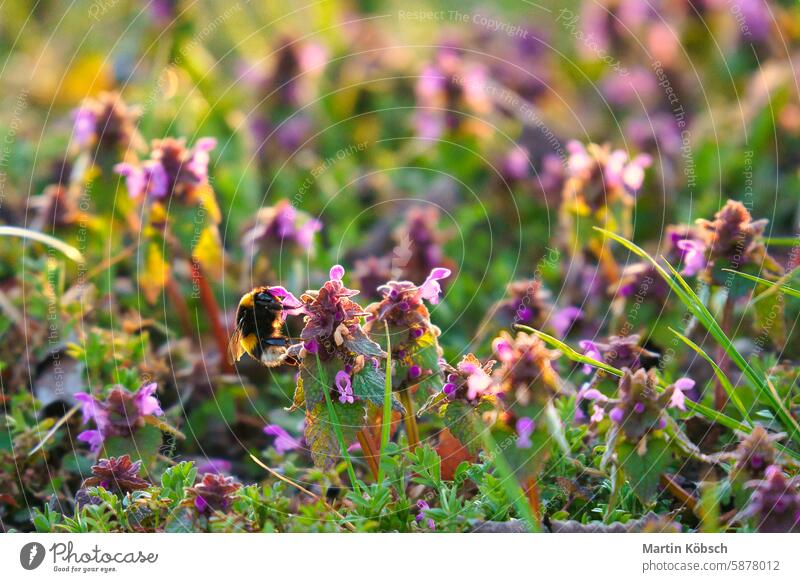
point(235, 348)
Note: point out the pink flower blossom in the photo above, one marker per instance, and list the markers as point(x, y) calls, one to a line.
point(525, 427)
point(430, 289)
point(678, 399)
point(345, 387)
point(283, 440)
point(694, 258)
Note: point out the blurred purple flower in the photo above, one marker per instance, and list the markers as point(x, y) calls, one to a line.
point(120, 414)
point(525, 427)
point(694, 259)
point(563, 319)
point(172, 170)
point(678, 399)
point(283, 442)
point(423, 506)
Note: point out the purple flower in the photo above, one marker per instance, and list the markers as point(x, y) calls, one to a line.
point(94, 438)
point(345, 387)
point(525, 428)
point(597, 413)
point(694, 258)
point(276, 226)
point(149, 179)
point(430, 289)
point(564, 319)
point(84, 125)
point(283, 440)
point(105, 123)
point(336, 273)
point(678, 399)
point(423, 506)
point(218, 466)
point(172, 170)
point(291, 304)
point(617, 415)
point(775, 503)
point(145, 401)
point(450, 389)
point(478, 381)
point(516, 164)
point(590, 350)
point(502, 348)
point(593, 394)
point(120, 414)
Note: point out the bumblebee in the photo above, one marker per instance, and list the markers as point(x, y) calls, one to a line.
point(259, 328)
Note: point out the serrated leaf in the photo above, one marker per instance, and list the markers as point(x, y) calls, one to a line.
point(462, 419)
point(320, 435)
point(643, 472)
point(314, 380)
point(369, 385)
point(359, 343)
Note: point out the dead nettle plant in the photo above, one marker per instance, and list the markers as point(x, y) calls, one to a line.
point(401, 319)
point(342, 380)
point(179, 233)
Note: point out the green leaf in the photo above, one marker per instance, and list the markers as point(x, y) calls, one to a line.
point(369, 385)
point(316, 380)
point(462, 419)
point(643, 472)
point(320, 431)
point(359, 343)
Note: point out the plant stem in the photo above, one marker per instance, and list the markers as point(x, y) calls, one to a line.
point(534, 500)
point(178, 301)
point(370, 454)
point(410, 419)
point(386, 419)
point(213, 312)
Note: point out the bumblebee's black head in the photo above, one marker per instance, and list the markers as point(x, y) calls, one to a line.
point(264, 299)
point(260, 299)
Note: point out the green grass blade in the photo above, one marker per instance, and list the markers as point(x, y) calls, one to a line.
point(708, 320)
point(67, 250)
point(723, 379)
point(568, 351)
point(386, 424)
point(781, 241)
point(337, 429)
point(783, 288)
point(689, 298)
point(696, 407)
